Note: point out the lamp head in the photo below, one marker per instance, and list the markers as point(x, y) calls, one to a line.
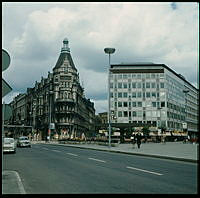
point(109, 50)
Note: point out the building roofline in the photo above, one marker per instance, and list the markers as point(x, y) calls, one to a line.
point(154, 64)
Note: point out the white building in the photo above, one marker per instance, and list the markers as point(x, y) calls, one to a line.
point(152, 93)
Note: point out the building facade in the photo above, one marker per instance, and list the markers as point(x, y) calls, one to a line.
point(148, 93)
point(57, 102)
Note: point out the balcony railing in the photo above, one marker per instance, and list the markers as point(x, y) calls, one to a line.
point(65, 100)
point(64, 111)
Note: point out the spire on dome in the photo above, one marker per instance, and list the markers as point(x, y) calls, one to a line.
point(65, 48)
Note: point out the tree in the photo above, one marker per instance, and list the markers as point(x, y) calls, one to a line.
point(146, 131)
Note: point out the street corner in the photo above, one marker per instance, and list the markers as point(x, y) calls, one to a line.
point(11, 183)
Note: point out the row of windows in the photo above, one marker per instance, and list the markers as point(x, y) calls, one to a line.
point(174, 83)
point(175, 116)
point(141, 104)
point(138, 85)
point(174, 125)
point(137, 76)
point(138, 95)
point(175, 107)
point(170, 124)
point(155, 114)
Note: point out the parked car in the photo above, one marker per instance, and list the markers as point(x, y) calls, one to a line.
point(23, 142)
point(9, 145)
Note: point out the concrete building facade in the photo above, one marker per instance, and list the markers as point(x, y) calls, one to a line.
point(153, 94)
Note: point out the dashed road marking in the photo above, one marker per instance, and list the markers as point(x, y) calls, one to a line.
point(138, 169)
point(45, 148)
point(97, 160)
point(72, 154)
point(56, 151)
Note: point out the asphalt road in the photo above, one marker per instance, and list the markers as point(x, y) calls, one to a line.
point(54, 169)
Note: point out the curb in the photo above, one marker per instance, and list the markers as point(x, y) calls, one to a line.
point(13, 188)
point(129, 153)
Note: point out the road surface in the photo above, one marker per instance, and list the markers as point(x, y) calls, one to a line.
point(54, 169)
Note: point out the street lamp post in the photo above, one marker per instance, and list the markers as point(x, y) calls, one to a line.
point(109, 51)
point(186, 92)
point(159, 108)
point(50, 124)
point(34, 115)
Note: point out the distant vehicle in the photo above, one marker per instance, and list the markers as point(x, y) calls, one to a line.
point(9, 145)
point(23, 142)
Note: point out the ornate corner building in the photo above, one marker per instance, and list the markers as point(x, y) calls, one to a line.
point(58, 99)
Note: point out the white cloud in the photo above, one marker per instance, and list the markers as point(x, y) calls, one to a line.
point(152, 32)
point(101, 106)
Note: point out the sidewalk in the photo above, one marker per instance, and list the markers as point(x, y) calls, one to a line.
point(11, 183)
point(169, 150)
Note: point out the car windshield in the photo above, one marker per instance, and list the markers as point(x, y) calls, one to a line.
point(23, 138)
point(7, 141)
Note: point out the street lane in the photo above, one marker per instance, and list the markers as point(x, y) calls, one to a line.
point(57, 169)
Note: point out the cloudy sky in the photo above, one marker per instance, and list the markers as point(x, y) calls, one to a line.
point(148, 32)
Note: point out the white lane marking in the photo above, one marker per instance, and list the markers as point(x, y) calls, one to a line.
point(20, 184)
point(71, 154)
point(45, 148)
point(97, 160)
point(56, 151)
point(144, 170)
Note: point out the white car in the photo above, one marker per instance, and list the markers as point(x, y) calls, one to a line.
point(23, 142)
point(9, 145)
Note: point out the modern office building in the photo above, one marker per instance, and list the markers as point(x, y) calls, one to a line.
point(57, 102)
point(154, 94)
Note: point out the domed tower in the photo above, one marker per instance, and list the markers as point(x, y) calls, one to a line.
point(68, 93)
point(65, 57)
point(65, 48)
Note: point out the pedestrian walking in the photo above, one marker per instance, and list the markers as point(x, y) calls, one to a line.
point(138, 139)
point(133, 140)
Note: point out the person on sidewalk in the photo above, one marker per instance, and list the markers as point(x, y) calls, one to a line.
point(138, 139)
point(133, 138)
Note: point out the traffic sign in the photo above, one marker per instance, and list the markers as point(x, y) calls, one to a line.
point(7, 112)
point(5, 64)
point(5, 60)
point(184, 125)
point(52, 126)
point(5, 88)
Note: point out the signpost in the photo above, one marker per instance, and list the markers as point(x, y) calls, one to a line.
point(5, 60)
point(6, 111)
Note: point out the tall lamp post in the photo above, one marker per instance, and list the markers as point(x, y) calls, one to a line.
point(109, 51)
point(34, 115)
point(186, 92)
point(160, 125)
point(50, 111)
